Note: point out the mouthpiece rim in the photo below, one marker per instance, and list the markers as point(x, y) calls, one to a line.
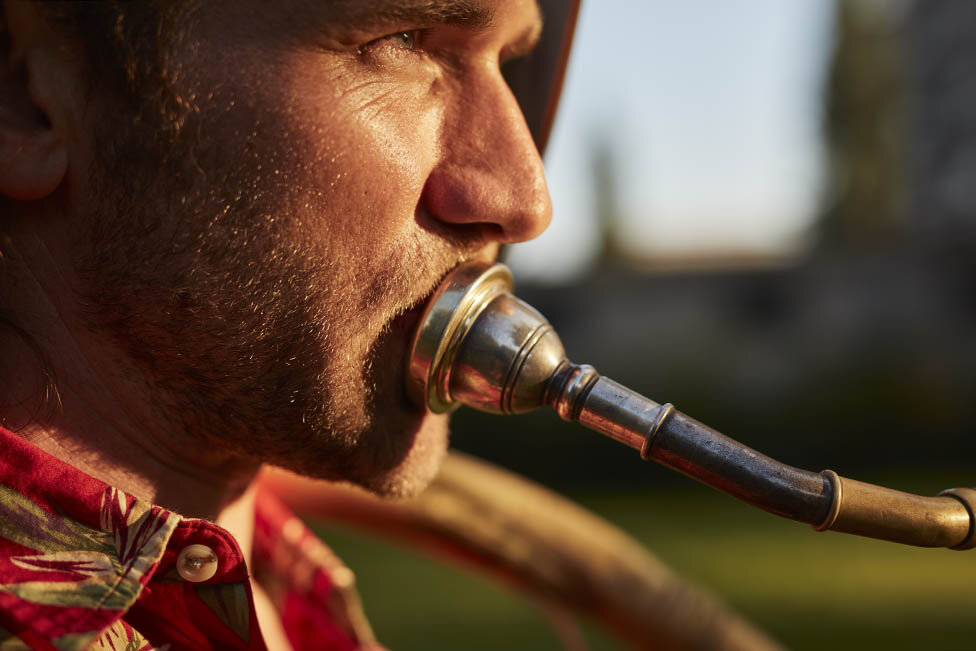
point(448, 316)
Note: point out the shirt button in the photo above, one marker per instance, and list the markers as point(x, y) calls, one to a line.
point(196, 563)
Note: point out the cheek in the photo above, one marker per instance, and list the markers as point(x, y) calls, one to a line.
point(356, 142)
point(334, 166)
point(374, 162)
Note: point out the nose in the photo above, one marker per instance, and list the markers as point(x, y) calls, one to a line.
point(490, 171)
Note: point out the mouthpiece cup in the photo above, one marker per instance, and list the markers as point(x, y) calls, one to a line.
point(449, 314)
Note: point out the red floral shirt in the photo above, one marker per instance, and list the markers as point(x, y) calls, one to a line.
point(83, 565)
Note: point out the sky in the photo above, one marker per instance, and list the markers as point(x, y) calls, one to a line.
point(712, 110)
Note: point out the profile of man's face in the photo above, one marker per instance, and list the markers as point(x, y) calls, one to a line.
point(260, 260)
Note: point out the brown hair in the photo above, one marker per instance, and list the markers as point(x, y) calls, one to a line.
point(125, 48)
point(126, 45)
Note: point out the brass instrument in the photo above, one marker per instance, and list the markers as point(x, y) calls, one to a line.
point(479, 345)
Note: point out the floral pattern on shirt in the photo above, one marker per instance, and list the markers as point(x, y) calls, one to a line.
point(85, 566)
point(107, 565)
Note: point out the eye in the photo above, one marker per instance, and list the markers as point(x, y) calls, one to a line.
point(404, 40)
point(392, 46)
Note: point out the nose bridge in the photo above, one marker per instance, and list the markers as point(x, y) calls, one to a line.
point(491, 171)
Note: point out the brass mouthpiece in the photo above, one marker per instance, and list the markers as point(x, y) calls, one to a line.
point(479, 345)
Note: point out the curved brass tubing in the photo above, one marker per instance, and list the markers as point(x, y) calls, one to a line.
point(479, 345)
point(563, 557)
point(878, 512)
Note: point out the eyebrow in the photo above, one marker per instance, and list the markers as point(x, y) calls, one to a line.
point(419, 12)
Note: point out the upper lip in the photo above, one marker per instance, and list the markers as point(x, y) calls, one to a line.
point(417, 306)
point(419, 303)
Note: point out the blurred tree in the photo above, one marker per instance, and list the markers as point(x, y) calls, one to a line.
point(941, 54)
point(865, 126)
point(606, 198)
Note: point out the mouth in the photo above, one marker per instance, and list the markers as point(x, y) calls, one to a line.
point(406, 321)
point(404, 324)
point(402, 328)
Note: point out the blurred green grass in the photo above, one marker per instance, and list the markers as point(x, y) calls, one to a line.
point(808, 590)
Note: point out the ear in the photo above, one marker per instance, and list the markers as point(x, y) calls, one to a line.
point(33, 151)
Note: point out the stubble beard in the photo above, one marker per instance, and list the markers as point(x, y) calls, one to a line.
point(254, 338)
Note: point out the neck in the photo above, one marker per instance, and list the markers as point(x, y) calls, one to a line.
point(137, 465)
point(79, 398)
point(139, 468)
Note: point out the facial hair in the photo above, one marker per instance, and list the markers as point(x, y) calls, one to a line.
point(213, 266)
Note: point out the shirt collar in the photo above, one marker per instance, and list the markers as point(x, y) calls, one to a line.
point(75, 552)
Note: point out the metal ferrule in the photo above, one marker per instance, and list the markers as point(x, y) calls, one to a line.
point(607, 407)
point(568, 389)
point(479, 345)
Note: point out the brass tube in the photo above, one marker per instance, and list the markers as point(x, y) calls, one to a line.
point(877, 512)
point(479, 345)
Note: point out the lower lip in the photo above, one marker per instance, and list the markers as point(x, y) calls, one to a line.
point(407, 321)
point(403, 328)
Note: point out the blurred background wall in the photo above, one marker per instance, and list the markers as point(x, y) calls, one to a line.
point(765, 213)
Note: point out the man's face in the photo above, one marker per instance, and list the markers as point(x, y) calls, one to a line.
point(260, 257)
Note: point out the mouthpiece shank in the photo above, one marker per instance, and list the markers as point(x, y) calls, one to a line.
point(671, 438)
point(479, 345)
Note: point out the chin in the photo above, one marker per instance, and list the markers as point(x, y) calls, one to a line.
point(351, 419)
point(418, 468)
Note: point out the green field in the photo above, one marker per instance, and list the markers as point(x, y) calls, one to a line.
point(809, 590)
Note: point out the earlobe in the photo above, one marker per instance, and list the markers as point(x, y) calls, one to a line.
point(33, 154)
